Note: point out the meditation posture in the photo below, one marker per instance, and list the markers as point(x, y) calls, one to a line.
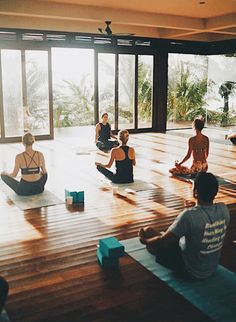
point(191, 246)
point(103, 135)
point(198, 147)
point(124, 157)
point(232, 138)
point(3, 292)
point(33, 171)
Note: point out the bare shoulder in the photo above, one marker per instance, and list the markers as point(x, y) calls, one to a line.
point(40, 153)
point(19, 156)
point(192, 139)
point(97, 126)
point(115, 149)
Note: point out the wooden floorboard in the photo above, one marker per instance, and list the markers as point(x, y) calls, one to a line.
point(48, 255)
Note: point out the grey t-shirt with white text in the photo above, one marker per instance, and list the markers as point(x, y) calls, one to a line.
point(201, 230)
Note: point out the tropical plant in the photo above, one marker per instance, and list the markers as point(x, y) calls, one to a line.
point(73, 104)
point(226, 89)
point(186, 97)
point(144, 91)
point(36, 110)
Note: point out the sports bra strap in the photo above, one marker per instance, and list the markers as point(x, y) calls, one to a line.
point(31, 159)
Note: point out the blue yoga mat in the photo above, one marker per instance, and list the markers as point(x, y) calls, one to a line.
point(4, 317)
point(222, 181)
point(215, 296)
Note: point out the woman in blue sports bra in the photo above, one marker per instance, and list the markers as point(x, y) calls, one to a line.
point(124, 157)
point(33, 170)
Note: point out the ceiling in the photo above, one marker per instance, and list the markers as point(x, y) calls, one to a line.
point(209, 20)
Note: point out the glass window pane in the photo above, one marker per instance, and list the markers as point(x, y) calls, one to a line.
point(73, 86)
point(126, 91)
point(106, 86)
point(145, 91)
point(187, 89)
point(12, 92)
point(221, 103)
point(36, 111)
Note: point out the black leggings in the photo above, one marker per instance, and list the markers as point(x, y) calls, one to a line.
point(171, 257)
point(3, 292)
point(106, 145)
point(112, 176)
point(26, 188)
point(233, 140)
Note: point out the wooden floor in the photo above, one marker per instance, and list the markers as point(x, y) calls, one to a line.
point(48, 255)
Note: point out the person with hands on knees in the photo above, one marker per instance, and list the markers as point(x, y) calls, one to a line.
point(192, 245)
point(33, 170)
point(103, 135)
point(198, 148)
point(124, 157)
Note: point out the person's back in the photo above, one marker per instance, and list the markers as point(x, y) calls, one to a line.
point(202, 242)
point(191, 246)
point(124, 166)
point(198, 148)
point(30, 163)
point(202, 229)
point(124, 157)
point(200, 144)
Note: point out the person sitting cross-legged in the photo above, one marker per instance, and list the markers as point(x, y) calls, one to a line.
point(124, 157)
point(103, 135)
point(33, 170)
point(192, 245)
point(198, 148)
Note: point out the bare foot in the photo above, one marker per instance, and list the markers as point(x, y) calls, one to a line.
point(142, 237)
point(189, 203)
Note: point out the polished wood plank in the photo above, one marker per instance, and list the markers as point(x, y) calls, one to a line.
point(48, 255)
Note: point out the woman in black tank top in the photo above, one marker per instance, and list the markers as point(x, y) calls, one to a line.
point(33, 171)
point(124, 166)
point(103, 135)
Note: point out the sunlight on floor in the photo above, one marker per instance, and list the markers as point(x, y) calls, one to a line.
point(14, 227)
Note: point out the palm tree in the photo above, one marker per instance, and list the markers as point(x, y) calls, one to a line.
point(186, 97)
point(226, 89)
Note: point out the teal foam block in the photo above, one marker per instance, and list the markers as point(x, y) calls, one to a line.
point(81, 197)
point(107, 261)
point(78, 196)
point(214, 296)
point(111, 247)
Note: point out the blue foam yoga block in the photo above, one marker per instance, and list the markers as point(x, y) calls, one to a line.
point(111, 247)
point(78, 196)
point(107, 261)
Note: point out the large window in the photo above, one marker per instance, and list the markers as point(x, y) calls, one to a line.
point(201, 85)
point(73, 86)
point(12, 92)
point(126, 91)
point(145, 91)
point(25, 88)
point(106, 86)
point(36, 105)
point(221, 100)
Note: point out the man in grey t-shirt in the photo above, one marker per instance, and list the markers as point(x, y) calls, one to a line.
point(192, 244)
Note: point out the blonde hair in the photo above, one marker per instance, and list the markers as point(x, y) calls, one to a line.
point(28, 139)
point(123, 136)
